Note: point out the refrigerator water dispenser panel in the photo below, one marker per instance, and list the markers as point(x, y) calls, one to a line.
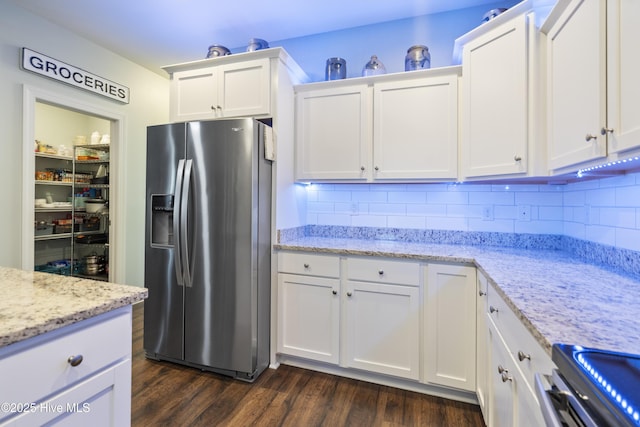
point(162, 220)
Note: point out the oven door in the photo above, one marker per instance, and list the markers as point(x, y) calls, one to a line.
point(559, 405)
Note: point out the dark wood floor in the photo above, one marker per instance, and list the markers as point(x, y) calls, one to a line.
point(166, 394)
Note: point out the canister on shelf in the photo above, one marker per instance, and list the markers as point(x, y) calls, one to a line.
point(336, 69)
point(417, 58)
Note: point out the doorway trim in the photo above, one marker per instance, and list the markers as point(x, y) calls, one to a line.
point(32, 95)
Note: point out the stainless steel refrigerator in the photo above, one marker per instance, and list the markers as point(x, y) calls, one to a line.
point(208, 246)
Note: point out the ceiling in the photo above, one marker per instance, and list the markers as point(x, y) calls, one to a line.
point(154, 33)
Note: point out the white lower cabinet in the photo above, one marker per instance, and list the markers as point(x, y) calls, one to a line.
point(450, 326)
point(381, 331)
point(482, 347)
point(47, 388)
point(309, 306)
point(515, 357)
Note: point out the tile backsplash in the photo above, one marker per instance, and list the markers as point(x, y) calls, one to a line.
point(605, 210)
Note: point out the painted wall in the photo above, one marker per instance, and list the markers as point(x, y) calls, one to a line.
point(149, 105)
point(389, 41)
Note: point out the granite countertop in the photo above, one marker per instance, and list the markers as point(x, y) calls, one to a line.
point(34, 303)
point(557, 296)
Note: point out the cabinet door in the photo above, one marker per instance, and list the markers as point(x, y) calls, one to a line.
point(503, 388)
point(450, 326)
point(308, 317)
point(416, 129)
point(576, 84)
point(194, 94)
point(495, 102)
point(244, 89)
point(623, 84)
point(333, 128)
point(381, 332)
point(482, 347)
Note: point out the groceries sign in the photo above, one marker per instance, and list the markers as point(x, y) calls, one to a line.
point(54, 69)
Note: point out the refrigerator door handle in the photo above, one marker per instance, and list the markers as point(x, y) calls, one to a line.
point(184, 208)
point(177, 196)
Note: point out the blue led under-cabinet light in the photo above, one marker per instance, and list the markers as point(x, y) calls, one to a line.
point(608, 388)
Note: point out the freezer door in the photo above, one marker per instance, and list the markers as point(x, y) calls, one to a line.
point(221, 314)
point(163, 309)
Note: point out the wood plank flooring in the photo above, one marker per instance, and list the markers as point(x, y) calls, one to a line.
point(165, 394)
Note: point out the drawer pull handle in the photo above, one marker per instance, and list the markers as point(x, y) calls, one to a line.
point(306, 266)
point(502, 369)
point(334, 292)
point(522, 356)
point(75, 360)
point(381, 272)
point(492, 309)
point(506, 377)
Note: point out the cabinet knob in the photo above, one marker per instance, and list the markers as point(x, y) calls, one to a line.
point(75, 360)
point(380, 272)
point(522, 356)
point(492, 309)
point(213, 108)
point(349, 294)
point(306, 265)
point(334, 292)
point(605, 131)
point(517, 158)
point(589, 137)
point(481, 293)
point(502, 369)
point(377, 168)
point(362, 168)
point(506, 377)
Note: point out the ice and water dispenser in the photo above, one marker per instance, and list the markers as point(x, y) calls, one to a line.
point(162, 220)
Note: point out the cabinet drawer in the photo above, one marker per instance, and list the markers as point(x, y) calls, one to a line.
point(309, 264)
point(39, 366)
point(383, 271)
point(525, 350)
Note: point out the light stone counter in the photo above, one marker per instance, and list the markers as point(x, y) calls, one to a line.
point(33, 303)
point(557, 296)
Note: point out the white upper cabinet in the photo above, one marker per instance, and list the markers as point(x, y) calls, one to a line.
point(576, 80)
point(502, 126)
point(396, 127)
point(333, 130)
point(230, 90)
point(623, 69)
point(415, 129)
point(592, 81)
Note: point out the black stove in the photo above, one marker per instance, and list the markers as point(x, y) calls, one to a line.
point(593, 387)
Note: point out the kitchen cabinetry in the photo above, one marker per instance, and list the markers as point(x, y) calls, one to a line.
point(228, 90)
point(77, 375)
point(382, 316)
point(391, 127)
point(515, 358)
point(482, 347)
point(450, 326)
point(592, 81)
point(66, 231)
point(333, 133)
point(309, 306)
point(501, 97)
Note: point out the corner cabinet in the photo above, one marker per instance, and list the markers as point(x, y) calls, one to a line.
point(502, 120)
point(450, 326)
point(592, 81)
point(396, 127)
